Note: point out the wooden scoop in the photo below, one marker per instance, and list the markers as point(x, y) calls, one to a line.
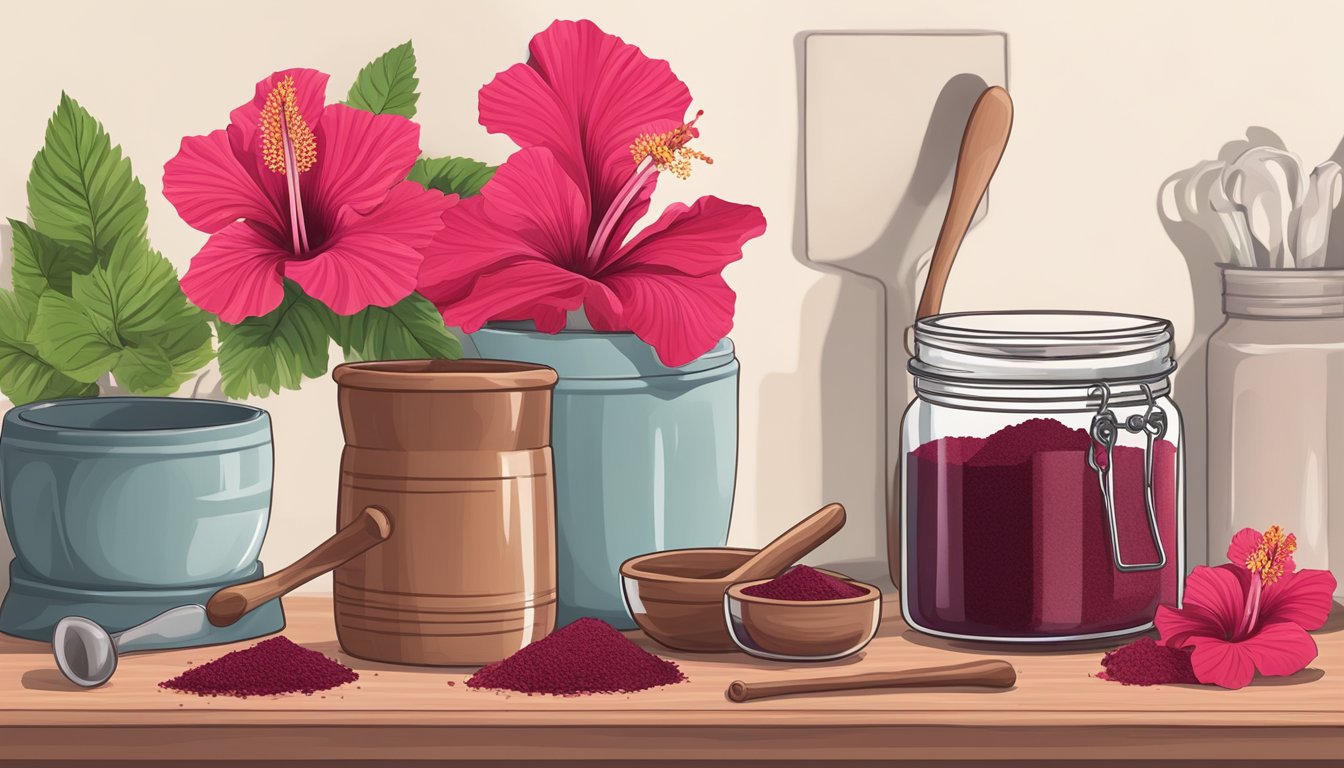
point(775, 557)
point(986, 673)
point(368, 529)
point(982, 147)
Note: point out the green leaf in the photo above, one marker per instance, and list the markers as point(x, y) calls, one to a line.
point(72, 339)
point(129, 317)
point(81, 190)
point(42, 264)
point(24, 376)
point(411, 329)
point(451, 175)
point(145, 370)
point(386, 86)
point(136, 293)
point(262, 355)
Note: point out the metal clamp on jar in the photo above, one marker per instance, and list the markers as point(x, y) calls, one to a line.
point(1041, 493)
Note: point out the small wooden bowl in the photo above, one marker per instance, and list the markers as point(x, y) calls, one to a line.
point(802, 630)
point(677, 596)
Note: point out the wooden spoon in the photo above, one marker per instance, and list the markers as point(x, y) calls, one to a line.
point(370, 528)
point(986, 673)
point(775, 557)
point(982, 147)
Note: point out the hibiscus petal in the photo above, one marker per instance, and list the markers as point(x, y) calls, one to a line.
point(309, 85)
point(1178, 625)
point(681, 317)
point(1281, 648)
point(1244, 542)
point(604, 87)
point(523, 289)
point(1304, 598)
point(531, 195)
point(1219, 593)
point(373, 259)
point(211, 187)
point(696, 240)
point(1218, 662)
point(519, 104)
point(360, 156)
point(237, 274)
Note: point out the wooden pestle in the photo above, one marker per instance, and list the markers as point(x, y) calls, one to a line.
point(777, 556)
point(985, 673)
point(370, 528)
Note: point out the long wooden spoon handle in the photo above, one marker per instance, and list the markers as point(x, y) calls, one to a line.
point(799, 540)
point(369, 528)
point(986, 673)
point(982, 147)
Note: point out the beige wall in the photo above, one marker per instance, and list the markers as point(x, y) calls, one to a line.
point(1110, 100)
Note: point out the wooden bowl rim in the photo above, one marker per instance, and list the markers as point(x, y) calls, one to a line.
point(735, 592)
point(634, 567)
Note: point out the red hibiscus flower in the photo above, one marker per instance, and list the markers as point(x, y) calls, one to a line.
point(597, 121)
point(1251, 614)
point(296, 189)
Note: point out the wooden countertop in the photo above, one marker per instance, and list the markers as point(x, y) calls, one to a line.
point(1057, 711)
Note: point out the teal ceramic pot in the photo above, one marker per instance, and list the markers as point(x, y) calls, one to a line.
point(136, 493)
point(645, 455)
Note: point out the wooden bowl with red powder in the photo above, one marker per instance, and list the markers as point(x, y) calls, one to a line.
point(804, 615)
point(677, 596)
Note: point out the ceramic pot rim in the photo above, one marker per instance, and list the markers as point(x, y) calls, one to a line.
point(248, 426)
point(468, 375)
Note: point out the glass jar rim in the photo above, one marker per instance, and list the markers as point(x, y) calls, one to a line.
point(1043, 347)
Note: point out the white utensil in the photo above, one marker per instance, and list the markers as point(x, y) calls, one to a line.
point(1311, 222)
point(1196, 196)
point(1268, 185)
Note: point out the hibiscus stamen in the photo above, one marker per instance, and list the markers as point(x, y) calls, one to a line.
point(653, 152)
point(288, 148)
point(1270, 558)
point(669, 151)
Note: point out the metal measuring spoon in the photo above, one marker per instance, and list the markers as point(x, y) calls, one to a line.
point(1312, 219)
point(87, 654)
point(1269, 185)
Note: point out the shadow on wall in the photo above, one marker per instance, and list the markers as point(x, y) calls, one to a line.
point(867, 301)
point(1190, 381)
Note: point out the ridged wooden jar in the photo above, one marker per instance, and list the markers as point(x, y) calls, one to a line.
point(458, 454)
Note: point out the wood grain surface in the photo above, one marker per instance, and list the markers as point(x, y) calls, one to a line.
point(1057, 710)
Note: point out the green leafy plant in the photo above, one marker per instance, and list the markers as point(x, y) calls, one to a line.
point(92, 301)
point(263, 355)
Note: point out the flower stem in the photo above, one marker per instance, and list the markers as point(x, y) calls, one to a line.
point(618, 207)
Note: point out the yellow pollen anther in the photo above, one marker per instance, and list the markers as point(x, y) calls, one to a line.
point(281, 119)
point(1270, 558)
point(669, 151)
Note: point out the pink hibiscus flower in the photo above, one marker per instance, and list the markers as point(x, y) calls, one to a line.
point(1251, 614)
point(597, 121)
point(296, 189)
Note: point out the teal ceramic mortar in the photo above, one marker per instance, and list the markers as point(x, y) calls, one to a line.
point(118, 508)
point(645, 455)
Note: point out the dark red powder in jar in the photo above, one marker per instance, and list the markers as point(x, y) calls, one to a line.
point(271, 667)
point(805, 584)
point(1007, 535)
point(1144, 662)
point(588, 656)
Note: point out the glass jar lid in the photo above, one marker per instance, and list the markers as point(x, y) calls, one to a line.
point(1042, 348)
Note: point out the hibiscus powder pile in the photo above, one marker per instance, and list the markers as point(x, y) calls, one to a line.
point(805, 584)
point(269, 668)
point(588, 656)
point(1145, 662)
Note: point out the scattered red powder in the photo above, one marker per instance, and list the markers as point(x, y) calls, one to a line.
point(588, 656)
point(1007, 535)
point(805, 584)
point(1144, 662)
point(268, 668)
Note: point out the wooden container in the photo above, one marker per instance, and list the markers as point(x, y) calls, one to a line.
point(458, 454)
